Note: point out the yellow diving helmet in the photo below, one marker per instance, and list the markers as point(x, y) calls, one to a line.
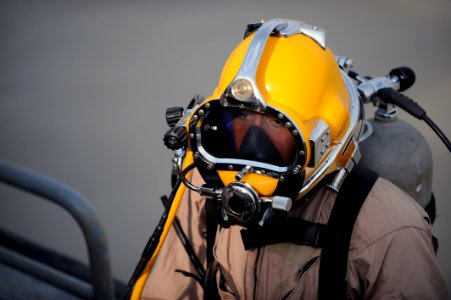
point(284, 115)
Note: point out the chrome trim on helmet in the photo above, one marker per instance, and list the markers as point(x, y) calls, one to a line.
point(252, 58)
point(315, 33)
point(343, 148)
point(293, 27)
point(319, 142)
point(248, 68)
point(242, 162)
point(251, 61)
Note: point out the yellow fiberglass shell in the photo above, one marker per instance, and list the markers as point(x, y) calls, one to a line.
point(263, 184)
point(298, 77)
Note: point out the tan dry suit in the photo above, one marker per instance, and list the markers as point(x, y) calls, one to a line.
point(391, 256)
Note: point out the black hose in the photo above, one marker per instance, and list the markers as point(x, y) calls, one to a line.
point(388, 95)
point(437, 130)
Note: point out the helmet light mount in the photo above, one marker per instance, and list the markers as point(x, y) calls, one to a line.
point(242, 89)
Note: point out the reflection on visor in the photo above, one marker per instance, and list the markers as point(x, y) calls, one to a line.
point(242, 134)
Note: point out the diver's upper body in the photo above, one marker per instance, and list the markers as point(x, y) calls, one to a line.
point(284, 118)
point(392, 254)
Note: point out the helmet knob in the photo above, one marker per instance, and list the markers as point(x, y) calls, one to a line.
point(405, 75)
point(173, 115)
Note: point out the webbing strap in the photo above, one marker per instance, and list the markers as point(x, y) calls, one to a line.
point(334, 256)
point(286, 230)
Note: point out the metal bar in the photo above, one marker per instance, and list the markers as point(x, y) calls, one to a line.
point(48, 274)
point(80, 209)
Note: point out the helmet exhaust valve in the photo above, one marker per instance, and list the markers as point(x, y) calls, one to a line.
point(240, 202)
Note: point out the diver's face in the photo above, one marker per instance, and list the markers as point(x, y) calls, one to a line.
point(275, 130)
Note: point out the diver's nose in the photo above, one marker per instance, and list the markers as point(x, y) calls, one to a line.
point(258, 120)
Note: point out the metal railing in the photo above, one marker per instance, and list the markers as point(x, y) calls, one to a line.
point(83, 213)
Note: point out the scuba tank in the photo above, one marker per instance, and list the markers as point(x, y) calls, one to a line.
point(398, 152)
point(392, 147)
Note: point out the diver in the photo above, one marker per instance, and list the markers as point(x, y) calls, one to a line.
point(269, 199)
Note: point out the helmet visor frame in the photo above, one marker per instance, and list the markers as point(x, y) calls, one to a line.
point(215, 146)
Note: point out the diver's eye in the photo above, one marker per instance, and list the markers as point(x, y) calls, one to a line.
point(274, 122)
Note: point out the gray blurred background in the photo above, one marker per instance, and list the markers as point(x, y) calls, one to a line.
point(84, 86)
